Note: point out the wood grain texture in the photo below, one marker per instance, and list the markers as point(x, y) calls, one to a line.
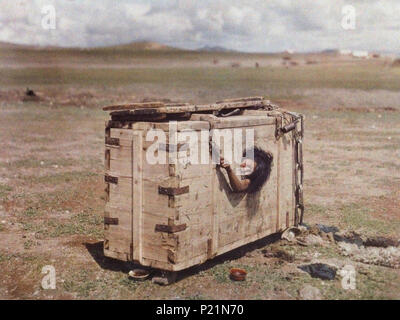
point(151, 108)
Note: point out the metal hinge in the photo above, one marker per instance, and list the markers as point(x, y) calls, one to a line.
point(112, 141)
point(110, 179)
point(170, 228)
point(108, 220)
point(298, 135)
point(173, 191)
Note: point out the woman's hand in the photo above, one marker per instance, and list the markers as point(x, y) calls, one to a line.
point(224, 165)
point(237, 185)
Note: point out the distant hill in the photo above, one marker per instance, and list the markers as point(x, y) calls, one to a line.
point(330, 51)
point(142, 45)
point(134, 46)
point(9, 45)
point(215, 49)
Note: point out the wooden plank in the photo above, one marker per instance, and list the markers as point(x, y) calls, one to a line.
point(157, 107)
point(242, 121)
point(173, 147)
point(241, 99)
point(198, 197)
point(154, 202)
point(155, 172)
point(120, 159)
point(154, 253)
point(182, 125)
point(278, 185)
point(119, 205)
point(193, 219)
point(262, 118)
point(156, 244)
point(286, 194)
point(244, 241)
point(203, 257)
point(116, 241)
point(211, 252)
point(120, 218)
point(191, 208)
point(120, 168)
point(138, 105)
point(194, 234)
point(231, 230)
point(126, 134)
point(128, 125)
point(189, 251)
point(116, 255)
point(137, 195)
point(191, 165)
point(121, 193)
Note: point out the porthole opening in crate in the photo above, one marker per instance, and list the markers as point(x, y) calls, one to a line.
point(253, 172)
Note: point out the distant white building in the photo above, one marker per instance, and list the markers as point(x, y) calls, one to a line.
point(360, 54)
point(345, 52)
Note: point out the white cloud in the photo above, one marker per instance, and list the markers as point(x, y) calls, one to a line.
point(257, 25)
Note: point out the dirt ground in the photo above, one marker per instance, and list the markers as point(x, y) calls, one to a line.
point(51, 184)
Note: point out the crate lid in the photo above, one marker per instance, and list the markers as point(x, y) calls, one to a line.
point(156, 107)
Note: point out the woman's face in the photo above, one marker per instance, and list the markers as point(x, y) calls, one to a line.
point(247, 166)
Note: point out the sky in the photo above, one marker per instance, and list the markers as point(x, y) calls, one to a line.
point(251, 26)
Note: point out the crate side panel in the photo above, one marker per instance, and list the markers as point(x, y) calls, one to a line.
point(118, 237)
point(286, 200)
point(195, 210)
point(243, 215)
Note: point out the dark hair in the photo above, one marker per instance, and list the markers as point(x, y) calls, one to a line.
point(262, 170)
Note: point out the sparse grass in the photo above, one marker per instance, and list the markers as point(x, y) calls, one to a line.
point(357, 217)
point(38, 163)
point(352, 216)
point(80, 283)
point(59, 178)
point(4, 191)
point(5, 256)
point(387, 146)
point(212, 79)
point(129, 284)
point(317, 210)
point(67, 191)
point(221, 272)
point(82, 223)
point(85, 284)
point(31, 212)
point(28, 244)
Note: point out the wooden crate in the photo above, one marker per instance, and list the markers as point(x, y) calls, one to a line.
point(175, 215)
